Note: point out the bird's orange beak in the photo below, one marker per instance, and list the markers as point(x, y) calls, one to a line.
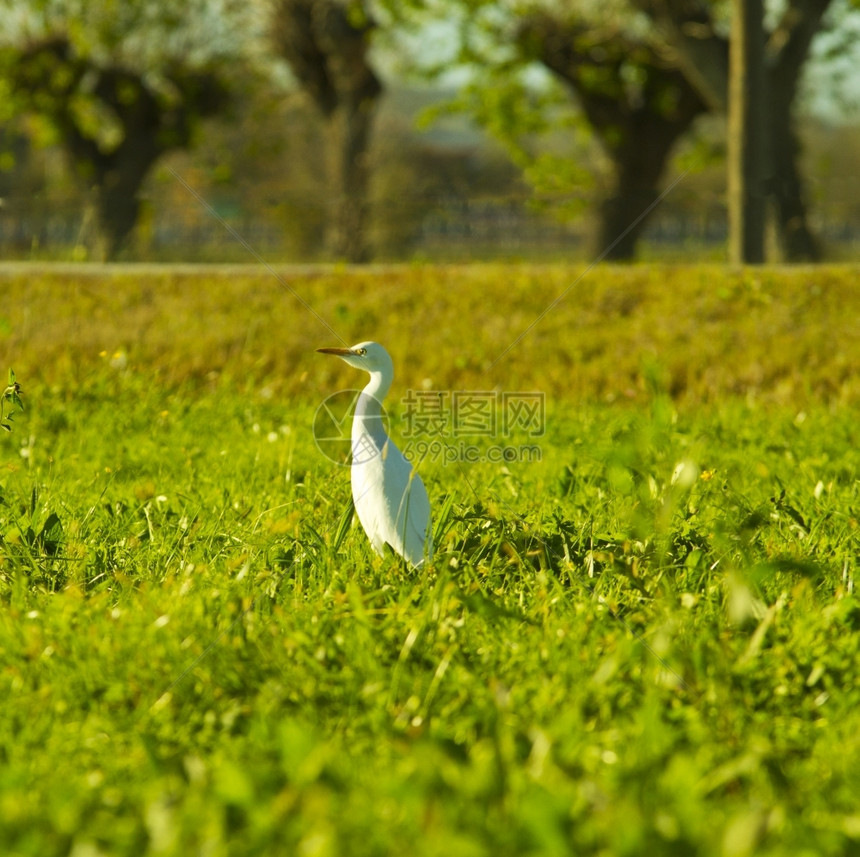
point(340, 352)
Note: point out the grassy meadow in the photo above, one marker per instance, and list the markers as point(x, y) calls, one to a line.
point(642, 640)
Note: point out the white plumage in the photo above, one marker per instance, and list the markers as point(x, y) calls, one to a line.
point(389, 496)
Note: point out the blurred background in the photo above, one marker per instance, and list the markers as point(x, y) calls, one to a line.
point(384, 130)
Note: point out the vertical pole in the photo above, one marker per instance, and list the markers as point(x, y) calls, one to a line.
point(746, 133)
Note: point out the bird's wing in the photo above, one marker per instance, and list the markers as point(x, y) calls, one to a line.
point(410, 510)
point(392, 505)
point(369, 501)
point(418, 531)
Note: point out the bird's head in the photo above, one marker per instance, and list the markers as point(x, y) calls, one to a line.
point(369, 356)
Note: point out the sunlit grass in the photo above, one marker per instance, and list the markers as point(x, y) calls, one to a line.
point(784, 336)
point(644, 642)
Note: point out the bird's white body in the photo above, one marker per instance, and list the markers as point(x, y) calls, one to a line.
point(389, 496)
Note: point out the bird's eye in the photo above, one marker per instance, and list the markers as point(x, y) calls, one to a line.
point(361, 351)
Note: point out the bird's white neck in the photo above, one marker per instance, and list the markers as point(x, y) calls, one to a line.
point(367, 422)
point(377, 387)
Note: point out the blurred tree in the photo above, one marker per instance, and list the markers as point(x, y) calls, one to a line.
point(326, 44)
point(118, 86)
point(630, 96)
point(639, 79)
point(695, 32)
point(637, 104)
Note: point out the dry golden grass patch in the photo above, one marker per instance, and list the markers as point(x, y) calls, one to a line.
point(700, 332)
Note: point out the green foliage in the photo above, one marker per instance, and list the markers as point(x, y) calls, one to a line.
point(644, 643)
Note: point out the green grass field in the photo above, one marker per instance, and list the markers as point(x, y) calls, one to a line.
point(645, 642)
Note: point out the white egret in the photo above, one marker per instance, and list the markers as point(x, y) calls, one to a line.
point(389, 496)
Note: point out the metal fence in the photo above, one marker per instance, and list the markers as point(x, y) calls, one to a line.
point(433, 228)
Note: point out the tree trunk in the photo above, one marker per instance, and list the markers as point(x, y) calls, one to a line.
point(350, 139)
point(115, 180)
point(797, 240)
point(618, 231)
point(119, 201)
point(746, 130)
point(638, 166)
point(791, 40)
point(639, 154)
